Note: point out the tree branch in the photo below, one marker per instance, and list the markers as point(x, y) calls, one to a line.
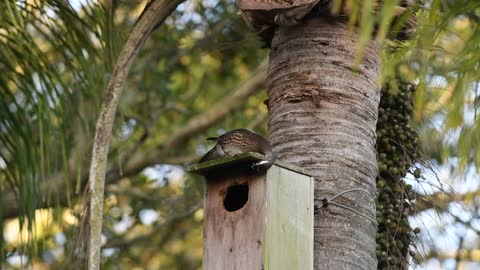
point(441, 200)
point(465, 255)
point(155, 12)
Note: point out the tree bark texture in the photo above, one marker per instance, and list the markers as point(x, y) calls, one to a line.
point(322, 117)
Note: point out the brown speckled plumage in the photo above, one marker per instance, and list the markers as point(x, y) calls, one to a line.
point(240, 141)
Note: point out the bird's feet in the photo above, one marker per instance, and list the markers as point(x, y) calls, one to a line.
point(257, 165)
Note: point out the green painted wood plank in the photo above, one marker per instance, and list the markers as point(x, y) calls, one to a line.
point(289, 220)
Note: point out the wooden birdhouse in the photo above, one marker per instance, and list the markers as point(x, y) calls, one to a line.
point(256, 220)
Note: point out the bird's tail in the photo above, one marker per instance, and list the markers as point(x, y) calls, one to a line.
point(270, 158)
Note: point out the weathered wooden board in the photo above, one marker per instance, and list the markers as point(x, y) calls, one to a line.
point(234, 240)
point(272, 4)
point(289, 220)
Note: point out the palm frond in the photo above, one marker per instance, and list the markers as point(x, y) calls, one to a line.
point(52, 74)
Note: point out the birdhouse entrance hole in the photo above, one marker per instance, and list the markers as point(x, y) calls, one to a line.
point(236, 197)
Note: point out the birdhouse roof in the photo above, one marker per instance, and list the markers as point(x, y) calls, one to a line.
point(242, 161)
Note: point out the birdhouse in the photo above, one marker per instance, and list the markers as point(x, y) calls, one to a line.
point(256, 219)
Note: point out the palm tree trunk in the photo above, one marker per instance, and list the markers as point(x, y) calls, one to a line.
point(322, 117)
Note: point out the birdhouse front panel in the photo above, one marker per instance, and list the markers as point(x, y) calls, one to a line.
point(234, 222)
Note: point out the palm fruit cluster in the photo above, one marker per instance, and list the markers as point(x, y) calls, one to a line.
point(397, 153)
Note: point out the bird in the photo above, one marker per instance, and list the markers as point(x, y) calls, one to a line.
point(239, 141)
